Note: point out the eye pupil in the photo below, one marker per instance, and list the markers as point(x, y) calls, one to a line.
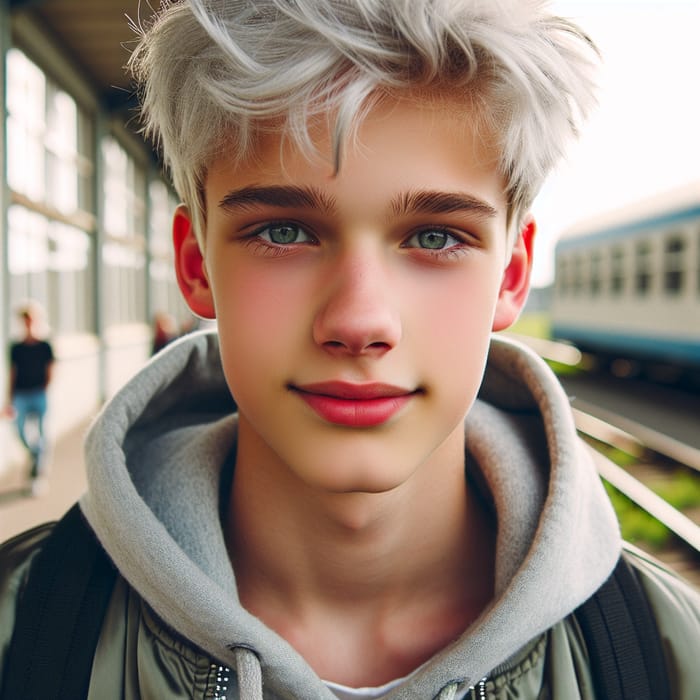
point(432, 239)
point(283, 234)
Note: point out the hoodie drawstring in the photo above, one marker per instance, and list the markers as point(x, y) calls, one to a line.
point(249, 674)
point(250, 687)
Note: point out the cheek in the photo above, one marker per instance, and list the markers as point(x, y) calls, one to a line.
point(452, 333)
point(260, 316)
point(458, 311)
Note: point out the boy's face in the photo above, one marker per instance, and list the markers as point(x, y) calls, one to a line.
point(354, 311)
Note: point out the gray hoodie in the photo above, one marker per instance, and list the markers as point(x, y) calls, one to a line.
point(155, 456)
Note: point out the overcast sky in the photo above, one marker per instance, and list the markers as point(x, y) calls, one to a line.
point(644, 138)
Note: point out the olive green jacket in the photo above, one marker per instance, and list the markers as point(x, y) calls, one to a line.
point(139, 657)
point(157, 457)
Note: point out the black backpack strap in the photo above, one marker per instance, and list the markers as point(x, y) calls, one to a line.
point(624, 647)
point(60, 615)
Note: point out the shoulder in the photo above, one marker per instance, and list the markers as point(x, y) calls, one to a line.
point(16, 556)
point(668, 593)
point(17, 553)
point(43, 349)
point(675, 604)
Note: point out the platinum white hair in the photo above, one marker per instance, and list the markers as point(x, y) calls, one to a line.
point(212, 72)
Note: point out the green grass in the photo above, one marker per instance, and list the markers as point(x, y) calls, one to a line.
point(536, 325)
point(636, 525)
point(682, 492)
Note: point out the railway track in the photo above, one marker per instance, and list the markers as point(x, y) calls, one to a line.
point(652, 458)
point(650, 466)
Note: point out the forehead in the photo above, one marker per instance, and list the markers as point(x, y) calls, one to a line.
point(411, 141)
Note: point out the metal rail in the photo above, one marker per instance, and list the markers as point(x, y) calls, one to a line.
point(644, 497)
point(631, 437)
point(643, 436)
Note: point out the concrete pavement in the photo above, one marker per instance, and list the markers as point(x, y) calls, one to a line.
point(65, 482)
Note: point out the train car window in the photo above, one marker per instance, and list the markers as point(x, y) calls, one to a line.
point(617, 273)
point(561, 278)
point(643, 268)
point(595, 282)
point(674, 264)
point(577, 275)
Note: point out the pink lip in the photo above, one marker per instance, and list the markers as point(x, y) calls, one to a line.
point(354, 405)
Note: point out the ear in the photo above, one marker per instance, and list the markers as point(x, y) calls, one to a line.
point(516, 278)
point(189, 266)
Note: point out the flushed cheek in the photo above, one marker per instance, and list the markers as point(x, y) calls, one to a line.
point(260, 300)
point(452, 340)
point(261, 329)
point(451, 316)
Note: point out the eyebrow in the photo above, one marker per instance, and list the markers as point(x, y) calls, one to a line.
point(283, 196)
point(437, 202)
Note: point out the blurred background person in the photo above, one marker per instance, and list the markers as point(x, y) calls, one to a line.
point(165, 330)
point(31, 364)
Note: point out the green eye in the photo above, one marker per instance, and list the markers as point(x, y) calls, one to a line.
point(434, 240)
point(284, 234)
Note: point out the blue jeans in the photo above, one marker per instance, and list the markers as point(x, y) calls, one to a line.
point(30, 408)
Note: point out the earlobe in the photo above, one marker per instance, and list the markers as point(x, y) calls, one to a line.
point(516, 278)
point(189, 266)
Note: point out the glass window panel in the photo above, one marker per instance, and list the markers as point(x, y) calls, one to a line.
point(28, 258)
point(124, 274)
point(674, 265)
point(617, 271)
point(62, 151)
point(160, 223)
point(115, 188)
point(51, 262)
point(643, 270)
point(70, 279)
point(43, 158)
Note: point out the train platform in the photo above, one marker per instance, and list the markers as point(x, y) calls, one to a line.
point(63, 484)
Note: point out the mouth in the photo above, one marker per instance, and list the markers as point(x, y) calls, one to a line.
point(355, 405)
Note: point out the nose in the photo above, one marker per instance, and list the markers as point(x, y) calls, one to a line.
point(357, 316)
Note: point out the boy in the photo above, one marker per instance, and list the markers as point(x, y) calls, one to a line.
point(356, 179)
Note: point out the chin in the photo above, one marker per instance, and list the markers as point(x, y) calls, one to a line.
point(357, 481)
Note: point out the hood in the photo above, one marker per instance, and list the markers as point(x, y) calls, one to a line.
point(154, 459)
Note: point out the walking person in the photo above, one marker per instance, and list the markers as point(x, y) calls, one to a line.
point(31, 364)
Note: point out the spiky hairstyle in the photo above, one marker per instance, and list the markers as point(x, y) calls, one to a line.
point(211, 72)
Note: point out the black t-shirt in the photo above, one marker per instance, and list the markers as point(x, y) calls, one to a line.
point(31, 362)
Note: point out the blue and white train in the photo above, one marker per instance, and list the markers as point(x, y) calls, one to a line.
point(627, 285)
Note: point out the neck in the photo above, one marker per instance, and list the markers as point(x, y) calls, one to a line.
point(412, 563)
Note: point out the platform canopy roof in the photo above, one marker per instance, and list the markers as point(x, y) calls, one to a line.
point(96, 35)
